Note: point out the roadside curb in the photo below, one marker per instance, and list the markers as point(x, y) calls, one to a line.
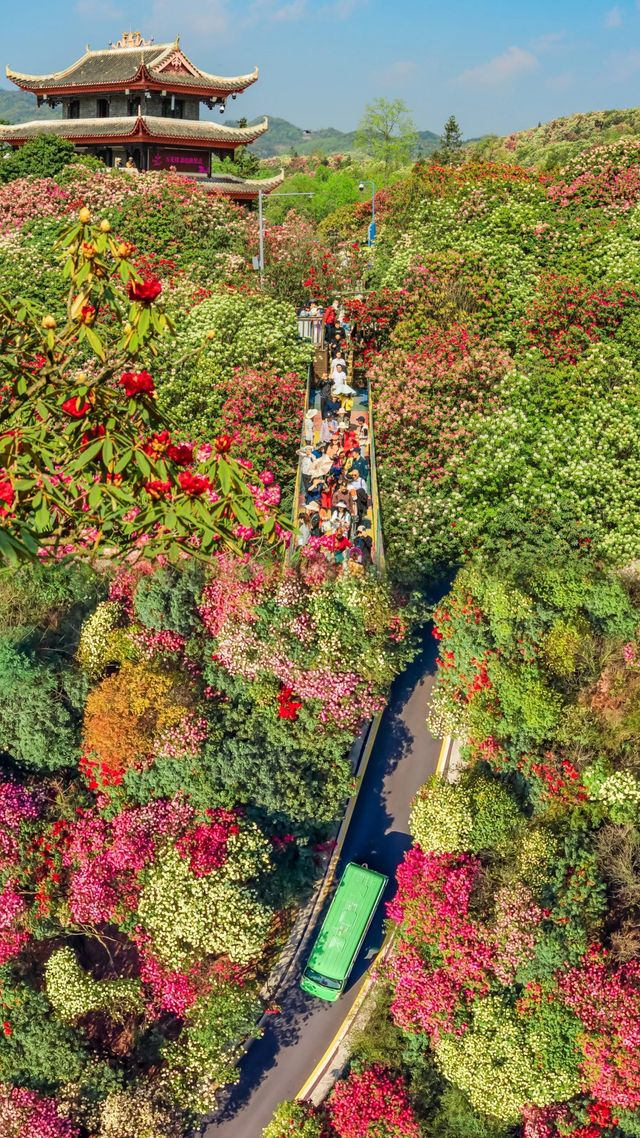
point(333, 1062)
point(360, 756)
point(330, 1067)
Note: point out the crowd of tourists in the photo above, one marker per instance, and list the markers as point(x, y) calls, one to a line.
point(329, 325)
point(335, 501)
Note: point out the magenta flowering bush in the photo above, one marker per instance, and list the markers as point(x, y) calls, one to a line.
point(372, 1102)
point(26, 1114)
point(443, 958)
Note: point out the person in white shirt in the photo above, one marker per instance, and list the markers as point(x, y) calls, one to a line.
point(304, 528)
point(309, 420)
point(306, 463)
point(341, 517)
point(339, 360)
point(356, 482)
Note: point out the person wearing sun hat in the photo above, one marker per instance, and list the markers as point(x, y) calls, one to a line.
point(314, 492)
point(309, 425)
point(363, 544)
point(306, 462)
point(341, 544)
point(341, 517)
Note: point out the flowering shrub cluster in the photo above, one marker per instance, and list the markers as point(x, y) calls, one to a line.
point(546, 273)
point(138, 893)
point(86, 456)
point(364, 1102)
point(26, 1114)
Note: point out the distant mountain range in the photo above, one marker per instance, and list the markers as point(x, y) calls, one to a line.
point(18, 106)
point(281, 138)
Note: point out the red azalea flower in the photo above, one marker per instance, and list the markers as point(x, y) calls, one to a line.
point(223, 444)
point(7, 495)
point(96, 432)
point(6, 1027)
point(193, 484)
point(137, 383)
point(180, 453)
point(601, 1114)
point(156, 488)
point(145, 292)
point(87, 314)
point(288, 707)
point(157, 445)
point(75, 408)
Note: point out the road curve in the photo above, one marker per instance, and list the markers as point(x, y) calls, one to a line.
point(277, 1065)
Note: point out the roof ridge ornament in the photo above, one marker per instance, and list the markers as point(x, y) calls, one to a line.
point(131, 39)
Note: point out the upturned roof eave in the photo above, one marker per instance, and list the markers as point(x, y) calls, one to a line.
point(143, 129)
point(200, 83)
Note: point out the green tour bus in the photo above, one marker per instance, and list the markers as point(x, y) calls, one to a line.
point(343, 931)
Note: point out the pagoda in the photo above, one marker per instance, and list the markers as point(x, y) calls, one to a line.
point(139, 102)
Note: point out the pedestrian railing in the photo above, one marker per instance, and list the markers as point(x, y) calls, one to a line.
point(376, 516)
point(376, 521)
point(310, 328)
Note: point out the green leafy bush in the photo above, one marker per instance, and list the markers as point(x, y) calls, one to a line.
point(36, 1049)
point(41, 157)
point(168, 598)
point(205, 1056)
point(39, 712)
point(300, 1118)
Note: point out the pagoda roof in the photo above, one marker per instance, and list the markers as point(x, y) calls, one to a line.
point(242, 188)
point(192, 132)
point(162, 66)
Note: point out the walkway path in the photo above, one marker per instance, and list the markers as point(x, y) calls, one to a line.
point(359, 416)
point(277, 1066)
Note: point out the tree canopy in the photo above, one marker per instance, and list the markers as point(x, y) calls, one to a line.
point(387, 132)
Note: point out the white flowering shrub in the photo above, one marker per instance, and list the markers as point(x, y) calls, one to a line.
point(96, 647)
point(225, 332)
point(73, 993)
point(190, 917)
point(441, 818)
point(619, 792)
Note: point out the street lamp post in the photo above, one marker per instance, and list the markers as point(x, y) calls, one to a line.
point(372, 227)
point(299, 194)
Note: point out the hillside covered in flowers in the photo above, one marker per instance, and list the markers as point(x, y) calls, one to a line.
point(178, 702)
point(501, 337)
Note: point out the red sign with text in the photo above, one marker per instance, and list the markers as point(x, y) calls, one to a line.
point(185, 161)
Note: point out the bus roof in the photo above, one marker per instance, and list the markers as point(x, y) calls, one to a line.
point(343, 927)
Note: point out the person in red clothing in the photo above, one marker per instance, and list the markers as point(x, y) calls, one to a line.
point(341, 544)
point(350, 442)
point(326, 497)
point(329, 318)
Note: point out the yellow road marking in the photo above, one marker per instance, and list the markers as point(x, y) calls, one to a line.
point(345, 1026)
point(444, 753)
point(368, 981)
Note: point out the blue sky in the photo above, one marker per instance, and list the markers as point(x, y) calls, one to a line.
point(498, 65)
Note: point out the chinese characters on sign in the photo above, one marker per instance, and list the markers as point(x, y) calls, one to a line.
point(185, 161)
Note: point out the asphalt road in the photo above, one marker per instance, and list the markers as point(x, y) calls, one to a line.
point(404, 755)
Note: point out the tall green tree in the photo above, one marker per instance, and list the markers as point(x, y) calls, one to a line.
point(450, 151)
point(387, 132)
